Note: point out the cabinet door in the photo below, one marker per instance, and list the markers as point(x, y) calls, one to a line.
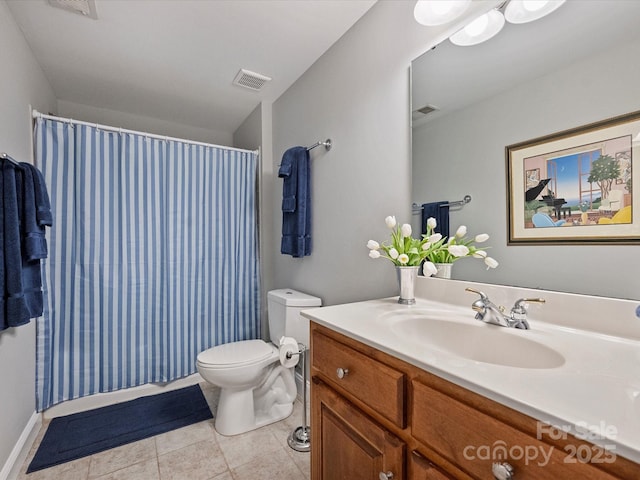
point(420, 468)
point(348, 445)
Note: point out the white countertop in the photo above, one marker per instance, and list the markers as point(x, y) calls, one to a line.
point(594, 394)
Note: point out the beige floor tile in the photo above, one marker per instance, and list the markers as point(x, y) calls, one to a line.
point(282, 431)
point(120, 457)
point(225, 476)
point(183, 437)
point(239, 449)
point(200, 461)
point(274, 464)
point(302, 460)
point(147, 470)
point(74, 470)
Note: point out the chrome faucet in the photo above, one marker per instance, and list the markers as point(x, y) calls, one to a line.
point(489, 312)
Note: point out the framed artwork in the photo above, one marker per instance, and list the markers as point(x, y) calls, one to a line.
point(576, 186)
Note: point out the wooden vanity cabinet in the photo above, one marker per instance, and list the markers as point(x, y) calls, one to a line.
point(420, 468)
point(374, 416)
point(354, 447)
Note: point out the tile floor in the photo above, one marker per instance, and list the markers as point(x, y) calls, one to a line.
point(196, 452)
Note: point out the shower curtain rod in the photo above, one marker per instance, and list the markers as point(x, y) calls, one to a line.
point(37, 114)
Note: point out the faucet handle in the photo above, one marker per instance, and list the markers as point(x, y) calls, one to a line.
point(521, 305)
point(483, 296)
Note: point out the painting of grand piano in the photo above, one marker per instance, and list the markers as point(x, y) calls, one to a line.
point(576, 186)
point(583, 186)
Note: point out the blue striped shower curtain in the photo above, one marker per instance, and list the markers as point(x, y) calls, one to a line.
point(153, 258)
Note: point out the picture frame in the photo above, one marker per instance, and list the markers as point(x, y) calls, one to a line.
point(576, 186)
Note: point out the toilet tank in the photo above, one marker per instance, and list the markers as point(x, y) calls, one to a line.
point(284, 306)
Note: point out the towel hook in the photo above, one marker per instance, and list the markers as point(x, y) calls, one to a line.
point(9, 158)
point(327, 144)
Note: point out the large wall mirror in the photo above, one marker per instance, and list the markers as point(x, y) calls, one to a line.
point(579, 65)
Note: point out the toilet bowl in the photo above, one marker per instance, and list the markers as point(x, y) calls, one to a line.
point(255, 388)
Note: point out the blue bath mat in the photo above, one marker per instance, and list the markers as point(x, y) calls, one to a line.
point(85, 433)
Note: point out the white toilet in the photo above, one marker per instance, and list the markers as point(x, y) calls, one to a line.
point(256, 389)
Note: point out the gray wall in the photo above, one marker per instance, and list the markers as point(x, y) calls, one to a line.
point(141, 123)
point(464, 153)
point(251, 136)
point(22, 83)
point(357, 94)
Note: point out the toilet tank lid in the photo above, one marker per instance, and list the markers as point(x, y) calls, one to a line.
point(293, 298)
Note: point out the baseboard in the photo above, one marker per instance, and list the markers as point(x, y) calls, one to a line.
point(103, 399)
point(11, 468)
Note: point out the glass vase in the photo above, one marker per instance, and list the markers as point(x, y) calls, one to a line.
point(407, 281)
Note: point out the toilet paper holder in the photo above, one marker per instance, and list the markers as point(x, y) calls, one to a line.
point(300, 438)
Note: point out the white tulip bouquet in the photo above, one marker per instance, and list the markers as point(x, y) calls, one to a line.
point(405, 251)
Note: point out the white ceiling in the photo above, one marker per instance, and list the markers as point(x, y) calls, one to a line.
point(176, 59)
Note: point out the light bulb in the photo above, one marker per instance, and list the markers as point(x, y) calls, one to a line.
point(534, 5)
point(478, 26)
point(439, 12)
point(524, 11)
point(441, 7)
point(479, 30)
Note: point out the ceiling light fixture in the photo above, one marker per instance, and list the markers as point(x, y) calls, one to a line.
point(479, 30)
point(484, 27)
point(438, 12)
point(524, 11)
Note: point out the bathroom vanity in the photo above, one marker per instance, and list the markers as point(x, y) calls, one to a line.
point(398, 392)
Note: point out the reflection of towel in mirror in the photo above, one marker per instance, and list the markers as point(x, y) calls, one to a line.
point(439, 211)
point(296, 202)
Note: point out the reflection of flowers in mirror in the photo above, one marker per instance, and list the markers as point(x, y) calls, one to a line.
point(459, 246)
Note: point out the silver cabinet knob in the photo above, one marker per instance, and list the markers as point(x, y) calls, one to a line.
point(385, 476)
point(342, 372)
point(502, 471)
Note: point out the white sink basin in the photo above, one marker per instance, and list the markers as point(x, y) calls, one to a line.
point(472, 339)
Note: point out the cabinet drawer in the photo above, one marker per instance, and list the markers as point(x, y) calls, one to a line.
point(473, 441)
point(377, 385)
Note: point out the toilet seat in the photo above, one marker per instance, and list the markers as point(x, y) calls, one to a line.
point(236, 354)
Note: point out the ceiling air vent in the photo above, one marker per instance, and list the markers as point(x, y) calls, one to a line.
point(422, 112)
point(86, 8)
point(251, 80)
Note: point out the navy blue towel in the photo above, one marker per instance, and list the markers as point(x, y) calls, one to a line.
point(34, 244)
point(43, 205)
point(22, 244)
point(439, 211)
point(15, 311)
point(296, 202)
